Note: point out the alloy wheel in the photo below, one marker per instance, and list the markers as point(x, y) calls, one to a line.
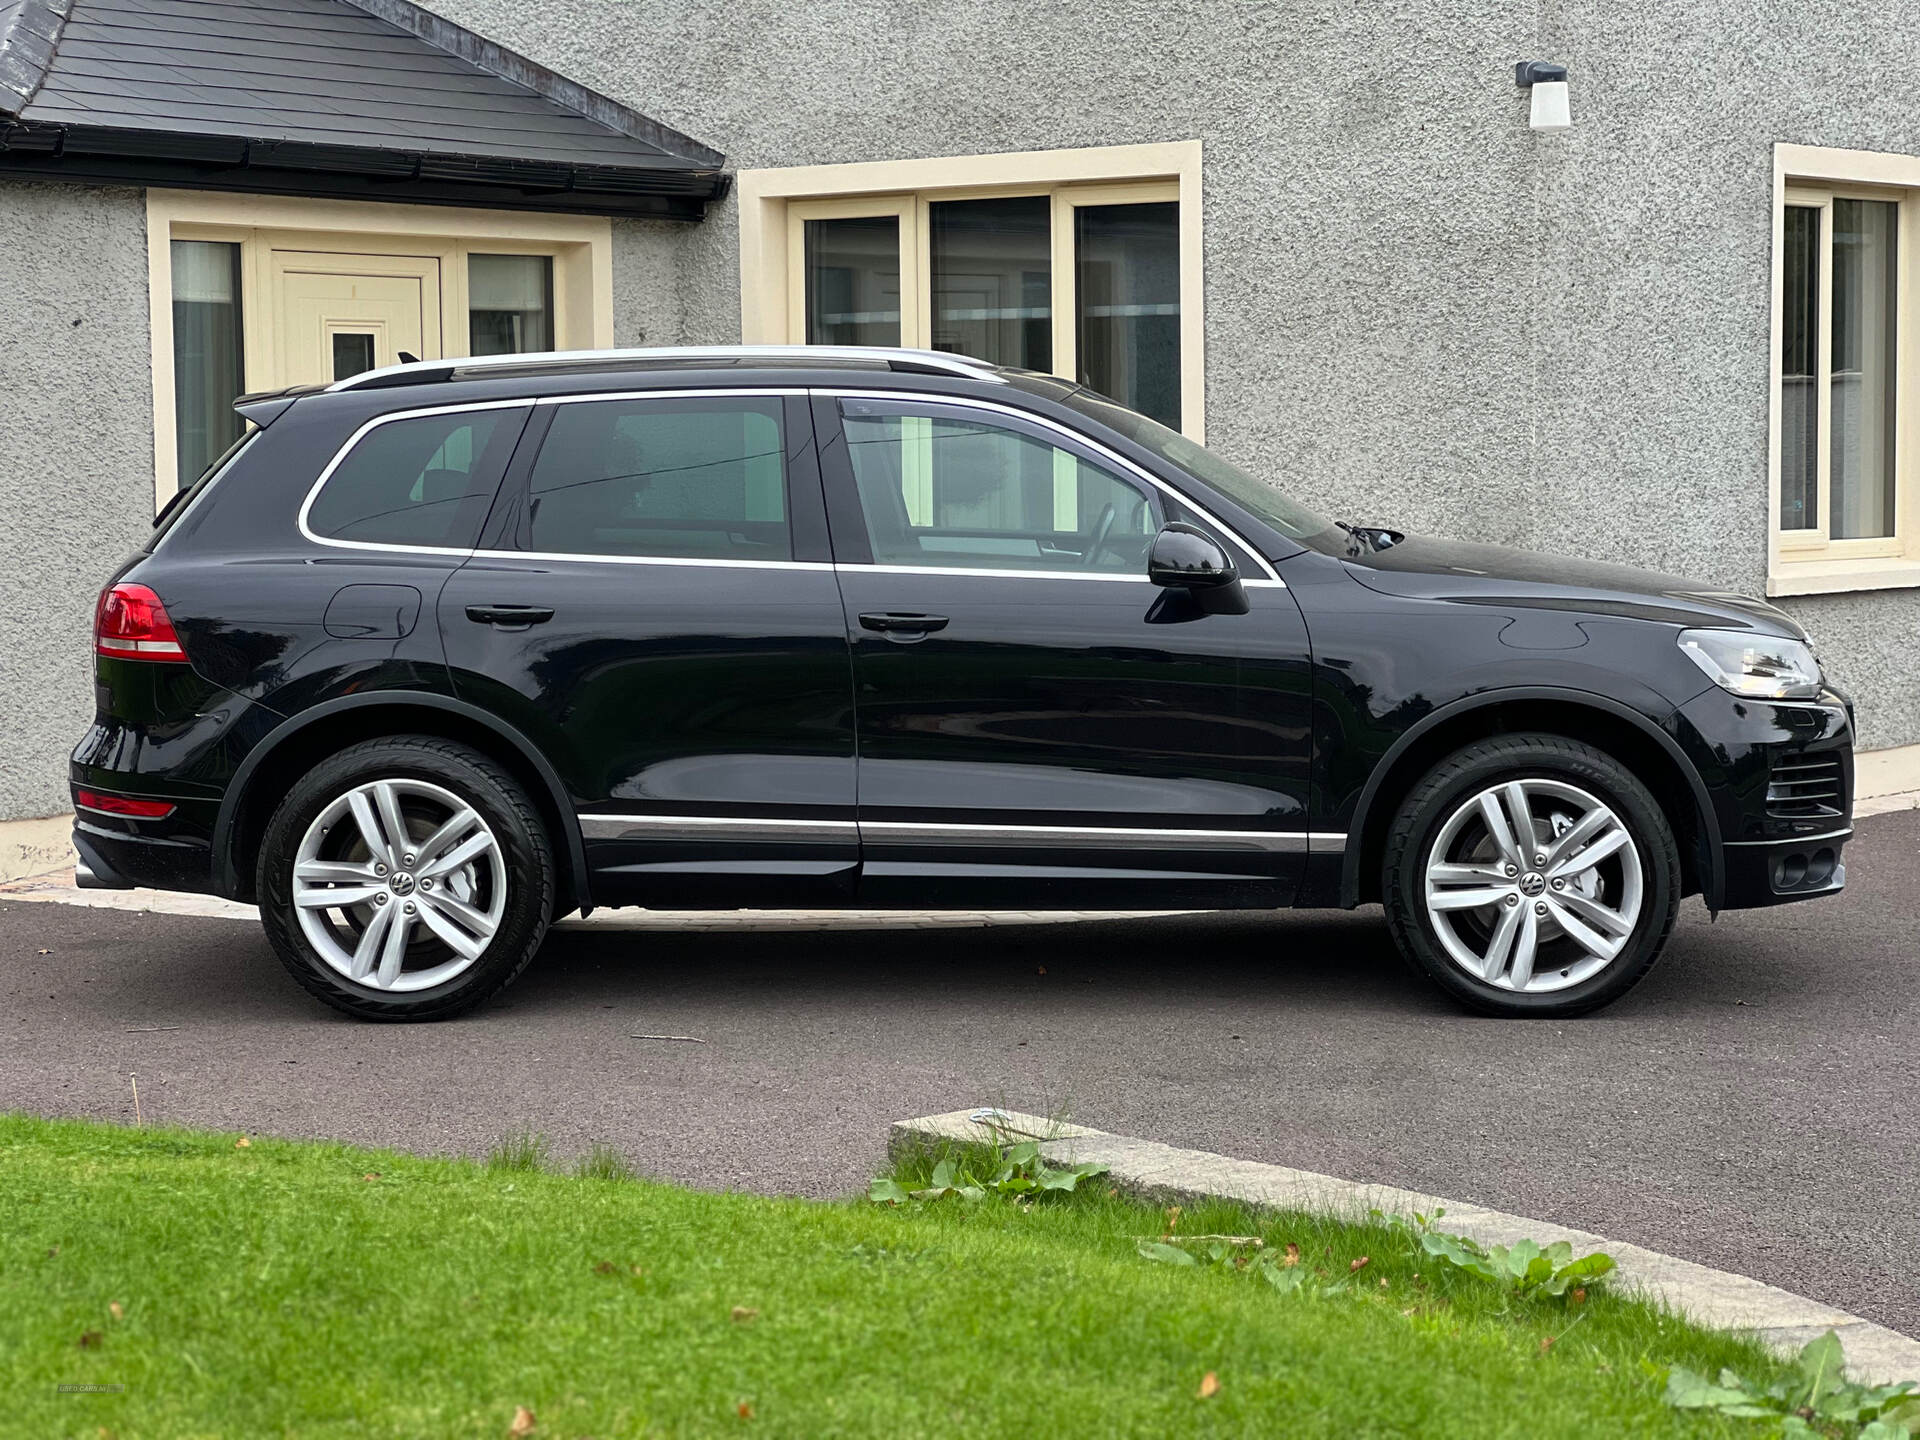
point(1534, 886)
point(399, 885)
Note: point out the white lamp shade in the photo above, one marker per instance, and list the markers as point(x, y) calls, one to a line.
point(1550, 110)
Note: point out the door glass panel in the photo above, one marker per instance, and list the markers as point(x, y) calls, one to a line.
point(207, 359)
point(1799, 371)
point(422, 481)
point(1127, 266)
point(853, 281)
point(352, 353)
point(992, 264)
point(1865, 256)
point(509, 304)
point(936, 490)
point(678, 477)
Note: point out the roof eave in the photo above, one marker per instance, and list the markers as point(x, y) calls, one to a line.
point(98, 155)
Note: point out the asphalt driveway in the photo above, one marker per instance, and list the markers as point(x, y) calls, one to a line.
point(1754, 1105)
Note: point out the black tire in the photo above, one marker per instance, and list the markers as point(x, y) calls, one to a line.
point(490, 791)
point(1454, 782)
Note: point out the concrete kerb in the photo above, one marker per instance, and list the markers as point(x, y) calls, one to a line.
point(1166, 1173)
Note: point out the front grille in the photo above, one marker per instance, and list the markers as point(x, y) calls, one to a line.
point(1807, 788)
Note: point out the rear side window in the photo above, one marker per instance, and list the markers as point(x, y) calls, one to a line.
point(672, 477)
point(422, 480)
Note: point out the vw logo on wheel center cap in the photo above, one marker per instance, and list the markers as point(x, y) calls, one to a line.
point(402, 883)
point(1532, 883)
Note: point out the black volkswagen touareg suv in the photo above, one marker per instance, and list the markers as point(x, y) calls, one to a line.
point(441, 652)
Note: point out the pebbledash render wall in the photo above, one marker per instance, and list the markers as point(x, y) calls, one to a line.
point(76, 463)
point(1418, 311)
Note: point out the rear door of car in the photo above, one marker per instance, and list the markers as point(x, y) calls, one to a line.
point(653, 604)
point(1039, 724)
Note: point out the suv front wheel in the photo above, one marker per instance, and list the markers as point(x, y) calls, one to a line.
point(406, 879)
point(1531, 875)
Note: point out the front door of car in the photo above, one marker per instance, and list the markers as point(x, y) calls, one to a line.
point(654, 606)
point(1039, 723)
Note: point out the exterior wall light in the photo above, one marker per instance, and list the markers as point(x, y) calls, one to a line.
point(1548, 82)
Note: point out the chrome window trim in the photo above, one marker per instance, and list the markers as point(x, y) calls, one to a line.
point(558, 361)
point(340, 455)
point(1139, 472)
point(567, 556)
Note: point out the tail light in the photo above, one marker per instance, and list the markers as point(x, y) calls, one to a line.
point(122, 805)
point(130, 623)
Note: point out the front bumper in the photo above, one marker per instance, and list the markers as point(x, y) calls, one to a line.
point(1775, 845)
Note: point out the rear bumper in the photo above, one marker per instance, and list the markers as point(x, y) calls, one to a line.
point(113, 859)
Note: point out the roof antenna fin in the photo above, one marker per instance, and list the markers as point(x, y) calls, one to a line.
point(408, 358)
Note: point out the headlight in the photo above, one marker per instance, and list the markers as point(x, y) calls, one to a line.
point(1762, 667)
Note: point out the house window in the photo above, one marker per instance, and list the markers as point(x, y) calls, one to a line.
point(1078, 263)
point(509, 304)
point(207, 353)
point(1845, 482)
point(980, 277)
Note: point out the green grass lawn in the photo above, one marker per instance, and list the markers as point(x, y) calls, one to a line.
point(317, 1290)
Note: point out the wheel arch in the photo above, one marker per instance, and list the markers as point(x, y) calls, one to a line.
point(1598, 720)
point(294, 747)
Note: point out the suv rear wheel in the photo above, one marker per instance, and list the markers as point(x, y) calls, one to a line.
point(406, 879)
point(1531, 875)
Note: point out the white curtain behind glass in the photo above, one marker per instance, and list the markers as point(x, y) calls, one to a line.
point(1865, 256)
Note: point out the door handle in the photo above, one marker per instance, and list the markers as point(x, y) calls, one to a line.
point(897, 624)
point(510, 617)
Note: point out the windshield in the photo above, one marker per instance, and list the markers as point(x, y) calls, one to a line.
point(1255, 496)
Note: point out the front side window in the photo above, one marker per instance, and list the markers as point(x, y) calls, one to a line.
point(422, 480)
point(1838, 333)
point(938, 488)
point(1080, 281)
point(668, 477)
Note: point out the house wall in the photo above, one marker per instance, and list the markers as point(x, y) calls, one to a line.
point(1418, 312)
point(76, 460)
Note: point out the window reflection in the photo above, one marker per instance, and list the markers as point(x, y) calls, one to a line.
point(853, 281)
point(509, 304)
point(207, 359)
point(993, 279)
point(1128, 300)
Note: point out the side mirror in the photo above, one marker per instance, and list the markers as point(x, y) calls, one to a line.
point(1185, 557)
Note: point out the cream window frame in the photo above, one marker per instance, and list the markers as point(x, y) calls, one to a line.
point(581, 247)
point(775, 205)
point(1809, 562)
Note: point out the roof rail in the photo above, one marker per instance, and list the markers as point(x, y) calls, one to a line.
point(458, 366)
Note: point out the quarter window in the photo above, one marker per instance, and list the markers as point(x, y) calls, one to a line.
point(701, 478)
point(423, 480)
point(939, 489)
